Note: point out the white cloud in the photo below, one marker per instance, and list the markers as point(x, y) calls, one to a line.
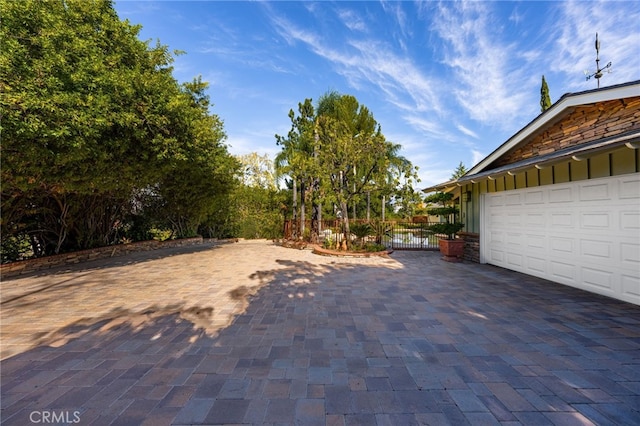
point(430, 127)
point(488, 85)
point(515, 17)
point(477, 157)
point(371, 63)
point(466, 131)
point(573, 42)
point(352, 20)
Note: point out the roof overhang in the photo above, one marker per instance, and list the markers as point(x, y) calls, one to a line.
point(565, 104)
point(577, 153)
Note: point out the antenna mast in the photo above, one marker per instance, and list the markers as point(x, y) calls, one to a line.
point(599, 71)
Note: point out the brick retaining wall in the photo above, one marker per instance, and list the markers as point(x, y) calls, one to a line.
point(41, 263)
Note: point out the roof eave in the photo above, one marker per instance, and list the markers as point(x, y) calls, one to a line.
point(630, 139)
point(567, 101)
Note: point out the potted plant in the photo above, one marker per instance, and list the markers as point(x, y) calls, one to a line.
point(452, 248)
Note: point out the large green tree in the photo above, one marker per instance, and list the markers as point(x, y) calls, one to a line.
point(91, 119)
point(296, 159)
point(340, 152)
point(257, 205)
point(352, 150)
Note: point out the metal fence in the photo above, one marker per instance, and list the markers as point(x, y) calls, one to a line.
point(411, 236)
point(401, 235)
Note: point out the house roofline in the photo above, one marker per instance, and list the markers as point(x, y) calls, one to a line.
point(577, 152)
point(568, 100)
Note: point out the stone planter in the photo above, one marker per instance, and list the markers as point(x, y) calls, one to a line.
point(452, 250)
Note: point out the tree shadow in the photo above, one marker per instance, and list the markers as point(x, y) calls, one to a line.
point(209, 317)
point(320, 325)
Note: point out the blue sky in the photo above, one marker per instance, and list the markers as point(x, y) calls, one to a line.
point(449, 81)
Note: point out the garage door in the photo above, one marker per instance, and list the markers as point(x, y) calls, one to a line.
point(584, 234)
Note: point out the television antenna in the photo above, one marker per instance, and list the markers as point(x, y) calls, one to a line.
point(599, 71)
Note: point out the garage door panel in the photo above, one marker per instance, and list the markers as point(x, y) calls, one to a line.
point(536, 243)
point(536, 266)
point(535, 220)
point(629, 188)
point(562, 246)
point(496, 237)
point(513, 199)
point(515, 260)
point(601, 280)
point(561, 220)
point(497, 220)
point(496, 200)
point(561, 195)
point(513, 239)
point(596, 220)
point(563, 271)
point(631, 286)
point(513, 220)
point(630, 221)
point(630, 255)
point(497, 256)
point(585, 234)
point(534, 197)
point(597, 250)
point(595, 191)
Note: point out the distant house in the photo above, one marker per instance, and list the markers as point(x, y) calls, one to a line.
point(560, 199)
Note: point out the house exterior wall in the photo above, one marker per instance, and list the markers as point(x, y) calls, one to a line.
point(580, 124)
point(617, 162)
point(583, 124)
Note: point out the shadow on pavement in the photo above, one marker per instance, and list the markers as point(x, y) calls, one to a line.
point(414, 342)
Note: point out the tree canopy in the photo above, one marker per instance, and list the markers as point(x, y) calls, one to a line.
point(460, 171)
point(338, 149)
point(545, 99)
point(95, 128)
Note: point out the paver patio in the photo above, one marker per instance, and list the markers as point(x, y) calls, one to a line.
point(252, 333)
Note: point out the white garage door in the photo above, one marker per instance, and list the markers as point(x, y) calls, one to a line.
point(584, 234)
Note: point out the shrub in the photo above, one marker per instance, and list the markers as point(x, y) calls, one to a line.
point(360, 231)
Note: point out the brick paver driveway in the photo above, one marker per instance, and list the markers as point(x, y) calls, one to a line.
point(253, 333)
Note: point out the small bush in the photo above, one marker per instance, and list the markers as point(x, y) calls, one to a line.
point(373, 247)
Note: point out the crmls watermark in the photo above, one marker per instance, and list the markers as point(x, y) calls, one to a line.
point(52, 416)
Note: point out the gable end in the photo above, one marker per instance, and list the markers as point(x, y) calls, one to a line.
point(583, 124)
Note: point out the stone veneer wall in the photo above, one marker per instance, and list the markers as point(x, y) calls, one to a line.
point(471, 246)
point(38, 264)
point(583, 124)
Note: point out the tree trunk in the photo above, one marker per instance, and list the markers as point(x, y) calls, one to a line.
point(294, 228)
point(345, 225)
point(315, 223)
point(302, 208)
